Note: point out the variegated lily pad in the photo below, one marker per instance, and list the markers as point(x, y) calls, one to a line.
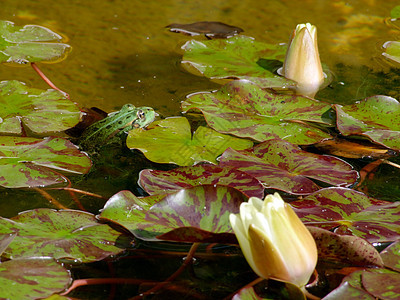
point(198, 214)
point(67, 234)
point(238, 57)
point(30, 43)
point(32, 278)
point(171, 141)
point(377, 118)
point(156, 181)
point(281, 165)
point(350, 212)
point(244, 109)
point(30, 162)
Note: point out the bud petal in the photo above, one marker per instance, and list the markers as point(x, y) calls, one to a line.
point(274, 241)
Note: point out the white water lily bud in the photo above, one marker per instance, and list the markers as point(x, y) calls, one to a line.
point(302, 63)
point(274, 241)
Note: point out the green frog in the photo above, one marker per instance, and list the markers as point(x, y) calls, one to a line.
point(112, 128)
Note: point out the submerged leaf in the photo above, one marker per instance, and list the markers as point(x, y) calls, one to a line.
point(170, 141)
point(42, 112)
point(156, 182)
point(350, 212)
point(244, 109)
point(65, 234)
point(235, 58)
point(30, 43)
point(209, 29)
point(198, 214)
point(32, 278)
point(30, 162)
point(281, 165)
point(377, 118)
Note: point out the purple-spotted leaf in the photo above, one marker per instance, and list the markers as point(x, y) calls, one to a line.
point(244, 109)
point(350, 212)
point(171, 141)
point(270, 289)
point(30, 162)
point(30, 43)
point(66, 234)
point(281, 165)
point(238, 57)
point(348, 292)
point(205, 207)
point(382, 285)
point(377, 118)
point(5, 240)
point(345, 248)
point(41, 111)
point(391, 256)
point(157, 182)
point(32, 278)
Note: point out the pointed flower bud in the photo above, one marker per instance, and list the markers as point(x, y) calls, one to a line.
point(302, 63)
point(274, 241)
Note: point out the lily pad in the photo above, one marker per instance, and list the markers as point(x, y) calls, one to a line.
point(345, 248)
point(41, 112)
point(32, 278)
point(67, 234)
point(209, 29)
point(391, 256)
point(348, 292)
point(281, 165)
point(198, 214)
point(30, 162)
point(30, 43)
point(157, 182)
point(349, 212)
point(171, 141)
point(235, 58)
point(392, 50)
point(244, 109)
point(270, 289)
point(377, 118)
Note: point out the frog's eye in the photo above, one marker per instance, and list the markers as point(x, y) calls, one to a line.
point(141, 114)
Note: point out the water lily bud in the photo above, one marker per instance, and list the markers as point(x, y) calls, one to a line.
point(274, 241)
point(302, 63)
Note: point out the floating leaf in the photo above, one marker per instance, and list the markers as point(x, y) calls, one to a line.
point(203, 211)
point(30, 43)
point(395, 12)
point(171, 141)
point(376, 117)
point(28, 162)
point(157, 182)
point(235, 58)
point(348, 292)
point(284, 166)
point(345, 248)
point(209, 29)
point(270, 289)
point(382, 285)
point(42, 112)
point(391, 256)
point(32, 278)
point(65, 234)
point(351, 212)
point(392, 50)
point(244, 109)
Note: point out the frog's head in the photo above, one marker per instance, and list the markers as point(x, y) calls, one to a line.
point(144, 116)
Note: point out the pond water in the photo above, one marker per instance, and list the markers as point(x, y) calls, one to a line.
point(122, 53)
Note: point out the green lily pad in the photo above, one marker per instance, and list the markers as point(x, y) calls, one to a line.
point(281, 165)
point(244, 109)
point(270, 289)
point(171, 141)
point(32, 278)
point(391, 256)
point(345, 248)
point(41, 112)
point(392, 50)
point(377, 118)
point(30, 162)
point(198, 214)
point(157, 182)
point(238, 57)
point(350, 212)
point(348, 292)
point(67, 234)
point(30, 43)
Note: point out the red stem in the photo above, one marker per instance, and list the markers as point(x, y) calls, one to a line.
point(47, 80)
